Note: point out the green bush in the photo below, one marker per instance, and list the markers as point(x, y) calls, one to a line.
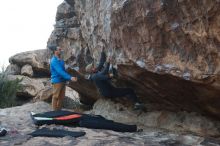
point(8, 90)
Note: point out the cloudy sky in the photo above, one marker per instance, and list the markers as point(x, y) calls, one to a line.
point(25, 25)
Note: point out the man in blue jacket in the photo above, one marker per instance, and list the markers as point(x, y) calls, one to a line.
point(102, 78)
point(59, 76)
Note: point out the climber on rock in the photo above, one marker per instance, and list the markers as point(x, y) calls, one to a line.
point(102, 78)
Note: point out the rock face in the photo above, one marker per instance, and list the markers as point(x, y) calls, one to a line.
point(27, 70)
point(38, 60)
point(13, 69)
point(164, 36)
point(182, 35)
point(168, 51)
point(30, 86)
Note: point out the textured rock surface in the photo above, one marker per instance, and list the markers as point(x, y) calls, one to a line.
point(168, 51)
point(37, 59)
point(178, 121)
point(70, 101)
point(18, 122)
point(27, 70)
point(175, 33)
point(13, 69)
point(30, 86)
point(87, 91)
point(45, 94)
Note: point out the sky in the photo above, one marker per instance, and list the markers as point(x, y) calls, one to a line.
point(25, 25)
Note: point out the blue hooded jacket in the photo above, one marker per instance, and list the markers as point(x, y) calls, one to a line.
point(58, 72)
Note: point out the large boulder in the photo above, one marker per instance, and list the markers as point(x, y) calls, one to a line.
point(172, 61)
point(13, 69)
point(37, 59)
point(172, 93)
point(27, 70)
point(30, 86)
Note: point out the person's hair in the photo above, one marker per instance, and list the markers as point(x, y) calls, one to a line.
point(53, 48)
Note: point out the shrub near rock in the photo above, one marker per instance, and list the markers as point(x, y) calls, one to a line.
point(8, 90)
